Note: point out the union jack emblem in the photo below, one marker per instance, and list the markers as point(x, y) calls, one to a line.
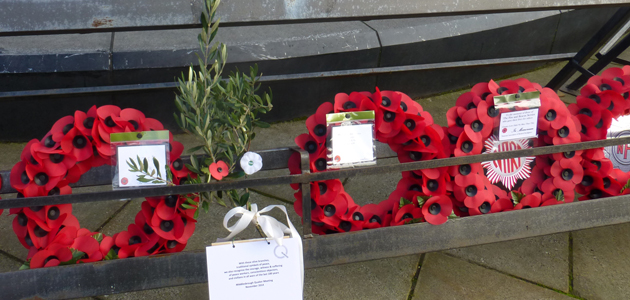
point(508, 171)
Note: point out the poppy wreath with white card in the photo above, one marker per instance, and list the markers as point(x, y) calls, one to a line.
point(73, 146)
point(434, 195)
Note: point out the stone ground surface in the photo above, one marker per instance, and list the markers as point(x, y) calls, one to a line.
point(588, 264)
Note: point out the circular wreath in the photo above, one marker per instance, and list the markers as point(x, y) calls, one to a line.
point(434, 195)
point(73, 146)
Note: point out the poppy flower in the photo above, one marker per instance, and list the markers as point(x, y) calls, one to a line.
point(529, 201)
point(152, 246)
point(318, 163)
point(189, 227)
point(528, 86)
point(309, 144)
point(478, 126)
point(173, 246)
point(76, 144)
point(372, 215)
point(388, 123)
point(465, 175)
point(454, 117)
point(484, 208)
point(603, 166)
point(130, 240)
point(316, 123)
point(326, 191)
point(465, 146)
point(459, 209)
point(88, 245)
point(132, 116)
point(22, 182)
point(567, 134)
point(502, 204)
point(178, 167)
point(219, 169)
point(42, 178)
point(251, 162)
point(110, 122)
point(473, 194)
point(437, 209)
point(612, 79)
point(505, 87)
point(551, 190)
point(468, 100)
point(151, 124)
point(51, 256)
point(574, 156)
point(411, 107)
point(412, 127)
point(552, 113)
point(566, 173)
point(407, 214)
point(435, 186)
point(61, 127)
point(84, 122)
point(349, 103)
point(167, 208)
point(106, 245)
point(167, 229)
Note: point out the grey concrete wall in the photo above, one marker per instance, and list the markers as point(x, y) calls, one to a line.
point(61, 61)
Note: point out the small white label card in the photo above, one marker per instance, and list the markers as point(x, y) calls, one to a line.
point(127, 178)
point(255, 269)
point(352, 144)
point(519, 124)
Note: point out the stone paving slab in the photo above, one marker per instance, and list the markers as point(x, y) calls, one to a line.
point(542, 260)
point(601, 260)
point(446, 277)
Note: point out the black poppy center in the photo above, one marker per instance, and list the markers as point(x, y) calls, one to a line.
point(313, 204)
point(587, 180)
point(134, 124)
point(584, 130)
point(606, 182)
point(426, 140)
point(406, 216)
point(386, 102)
point(22, 219)
point(357, 216)
point(415, 156)
point(219, 169)
point(49, 259)
point(109, 122)
point(599, 124)
point(320, 130)
point(620, 80)
point(605, 87)
point(611, 106)
point(625, 95)
point(67, 128)
point(36, 208)
point(465, 169)
point(403, 105)
point(410, 124)
point(167, 226)
point(311, 147)
point(567, 174)
point(435, 209)
point(349, 105)
point(569, 154)
point(53, 213)
point(389, 116)
point(79, 142)
point(452, 139)
point(563, 132)
point(134, 240)
point(467, 146)
point(586, 111)
point(433, 185)
point(320, 164)
point(476, 126)
point(170, 200)
point(471, 191)
point(41, 179)
point(376, 219)
point(178, 164)
point(40, 232)
point(56, 158)
point(501, 90)
point(28, 240)
point(551, 115)
point(329, 210)
point(459, 122)
point(322, 188)
point(485, 207)
point(24, 178)
point(415, 188)
point(597, 163)
point(492, 111)
point(88, 122)
point(147, 229)
point(48, 142)
point(345, 226)
point(595, 193)
point(471, 105)
point(596, 98)
point(171, 244)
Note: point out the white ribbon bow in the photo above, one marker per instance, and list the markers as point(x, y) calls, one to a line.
point(270, 226)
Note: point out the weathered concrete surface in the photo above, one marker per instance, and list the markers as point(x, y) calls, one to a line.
point(542, 260)
point(601, 260)
point(445, 277)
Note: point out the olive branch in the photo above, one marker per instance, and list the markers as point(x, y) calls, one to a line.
point(155, 176)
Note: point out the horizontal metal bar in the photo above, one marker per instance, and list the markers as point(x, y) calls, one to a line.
point(300, 76)
point(24, 17)
point(141, 273)
point(302, 178)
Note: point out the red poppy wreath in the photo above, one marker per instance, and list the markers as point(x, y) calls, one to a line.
point(434, 195)
point(74, 145)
